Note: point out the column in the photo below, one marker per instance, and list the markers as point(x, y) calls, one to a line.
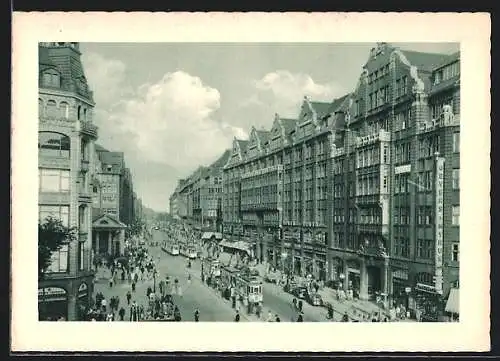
point(315, 272)
point(110, 242)
point(363, 281)
point(97, 242)
point(72, 313)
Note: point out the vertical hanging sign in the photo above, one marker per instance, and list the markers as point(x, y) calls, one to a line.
point(438, 283)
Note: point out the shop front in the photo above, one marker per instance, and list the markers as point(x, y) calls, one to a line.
point(83, 301)
point(52, 303)
point(352, 281)
point(427, 301)
point(401, 287)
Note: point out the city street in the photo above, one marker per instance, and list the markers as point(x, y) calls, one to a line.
point(275, 299)
point(194, 295)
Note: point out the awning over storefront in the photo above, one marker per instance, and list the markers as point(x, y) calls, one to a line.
point(208, 235)
point(453, 304)
point(238, 245)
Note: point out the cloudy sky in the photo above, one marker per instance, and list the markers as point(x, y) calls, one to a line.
point(174, 106)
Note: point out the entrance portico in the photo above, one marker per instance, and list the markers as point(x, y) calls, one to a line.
point(108, 235)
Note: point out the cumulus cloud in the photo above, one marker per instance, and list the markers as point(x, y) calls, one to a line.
point(169, 122)
point(283, 92)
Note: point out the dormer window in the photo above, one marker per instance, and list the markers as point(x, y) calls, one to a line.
point(52, 79)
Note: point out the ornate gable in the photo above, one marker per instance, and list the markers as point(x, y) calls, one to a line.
point(107, 221)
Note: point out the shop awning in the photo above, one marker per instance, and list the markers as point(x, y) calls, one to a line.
point(208, 235)
point(453, 304)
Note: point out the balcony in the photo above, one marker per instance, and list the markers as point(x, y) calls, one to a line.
point(444, 120)
point(84, 196)
point(382, 135)
point(84, 165)
point(337, 152)
point(89, 129)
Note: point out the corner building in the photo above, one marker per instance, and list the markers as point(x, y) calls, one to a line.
point(362, 192)
point(65, 162)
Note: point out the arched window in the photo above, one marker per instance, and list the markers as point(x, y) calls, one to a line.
point(40, 108)
point(79, 112)
point(64, 110)
point(51, 108)
point(51, 78)
point(53, 144)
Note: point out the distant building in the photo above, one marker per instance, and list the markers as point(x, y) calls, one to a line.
point(198, 198)
point(66, 165)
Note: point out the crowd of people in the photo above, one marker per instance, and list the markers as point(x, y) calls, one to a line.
point(136, 266)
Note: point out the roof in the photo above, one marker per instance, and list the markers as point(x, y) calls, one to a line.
point(424, 61)
point(337, 103)
point(243, 144)
point(100, 148)
point(104, 220)
point(289, 124)
point(222, 160)
point(451, 58)
point(115, 159)
point(321, 108)
point(263, 135)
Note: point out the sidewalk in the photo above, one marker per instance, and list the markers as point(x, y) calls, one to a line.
point(356, 309)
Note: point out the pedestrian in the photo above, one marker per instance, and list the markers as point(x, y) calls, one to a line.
point(300, 305)
point(300, 318)
point(129, 297)
point(121, 313)
point(258, 310)
point(294, 301)
point(189, 279)
point(133, 286)
point(269, 316)
point(148, 292)
point(111, 282)
point(277, 319)
point(345, 318)
point(237, 317)
point(196, 315)
point(103, 304)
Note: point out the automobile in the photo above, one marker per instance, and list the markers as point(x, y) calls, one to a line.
point(315, 300)
point(289, 287)
point(157, 228)
point(299, 292)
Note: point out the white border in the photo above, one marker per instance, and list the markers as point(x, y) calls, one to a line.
point(472, 30)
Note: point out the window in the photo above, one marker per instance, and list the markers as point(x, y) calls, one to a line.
point(455, 249)
point(53, 180)
point(51, 79)
point(51, 110)
point(64, 110)
point(59, 259)
point(455, 215)
point(455, 178)
point(81, 255)
point(456, 142)
point(53, 144)
point(57, 212)
point(404, 85)
point(40, 108)
point(424, 248)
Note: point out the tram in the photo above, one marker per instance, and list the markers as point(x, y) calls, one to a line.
point(171, 248)
point(246, 282)
point(188, 251)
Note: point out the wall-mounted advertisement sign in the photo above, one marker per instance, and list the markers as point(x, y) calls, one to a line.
point(439, 225)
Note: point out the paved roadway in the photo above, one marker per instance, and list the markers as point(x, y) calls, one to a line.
point(275, 299)
point(194, 295)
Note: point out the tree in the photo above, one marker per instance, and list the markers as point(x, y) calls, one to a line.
point(52, 235)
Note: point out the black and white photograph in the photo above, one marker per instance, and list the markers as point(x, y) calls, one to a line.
point(251, 182)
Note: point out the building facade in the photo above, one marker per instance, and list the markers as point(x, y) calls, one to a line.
point(115, 204)
point(66, 156)
point(363, 191)
point(198, 198)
